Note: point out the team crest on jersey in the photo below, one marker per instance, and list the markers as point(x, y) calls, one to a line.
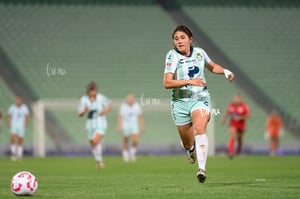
point(199, 56)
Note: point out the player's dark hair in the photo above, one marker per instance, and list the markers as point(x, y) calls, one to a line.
point(91, 86)
point(184, 29)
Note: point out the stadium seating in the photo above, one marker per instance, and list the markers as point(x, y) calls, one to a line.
point(59, 48)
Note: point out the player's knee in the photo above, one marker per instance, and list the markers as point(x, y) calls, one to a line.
point(199, 129)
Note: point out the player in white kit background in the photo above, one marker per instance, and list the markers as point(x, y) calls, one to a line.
point(95, 106)
point(17, 120)
point(130, 124)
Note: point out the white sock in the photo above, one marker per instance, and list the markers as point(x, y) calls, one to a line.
point(201, 143)
point(125, 154)
point(20, 151)
point(132, 152)
point(13, 149)
point(97, 152)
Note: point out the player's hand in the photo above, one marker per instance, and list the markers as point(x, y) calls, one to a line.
point(231, 77)
point(102, 113)
point(197, 82)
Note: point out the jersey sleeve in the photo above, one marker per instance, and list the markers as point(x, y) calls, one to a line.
point(106, 100)
point(171, 62)
point(10, 110)
point(206, 57)
point(81, 106)
point(122, 109)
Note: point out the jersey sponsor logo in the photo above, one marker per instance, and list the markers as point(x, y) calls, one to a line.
point(193, 70)
point(206, 103)
point(168, 64)
point(190, 61)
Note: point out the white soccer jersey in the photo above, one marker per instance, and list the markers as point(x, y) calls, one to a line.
point(94, 120)
point(185, 68)
point(18, 115)
point(130, 114)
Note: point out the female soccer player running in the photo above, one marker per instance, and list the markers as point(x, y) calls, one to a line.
point(130, 123)
point(96, 106)
point(17, 119)
point(184, 74)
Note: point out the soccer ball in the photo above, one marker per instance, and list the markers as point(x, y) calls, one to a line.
point(24, 184)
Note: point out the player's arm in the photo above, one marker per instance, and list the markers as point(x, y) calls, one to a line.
point(218, 69)
point(224, 117)
point(141, 122)
point(83, 111)
point(169, 82)
point(107, 108)
point(245, 116)
point(83, 108)
point(119, 123)
point(27, 119)
point(8, 119)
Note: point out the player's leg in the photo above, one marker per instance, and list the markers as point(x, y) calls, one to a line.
point(231, 143)
point(13, 145)
point(125, 147)
point(240, 134)
point(97, 148)
point(181, 117)
point(186, 134)
point(20, 147)
point(20, 134)
point(134, 144)
point(276, 144)
point(273, 145)
point(200, 121)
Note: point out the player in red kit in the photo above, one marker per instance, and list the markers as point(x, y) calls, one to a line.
point(238, 112)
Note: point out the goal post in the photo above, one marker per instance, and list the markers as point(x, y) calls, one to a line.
point(39, 149)
point(157, 121)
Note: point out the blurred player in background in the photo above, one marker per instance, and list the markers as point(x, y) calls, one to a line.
point(17, 119)
point(95, 106)
point(184, 74)
point(130, 123)
point(239, 113)
point(273, 131)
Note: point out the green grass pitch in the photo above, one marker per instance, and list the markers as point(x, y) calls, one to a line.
point(158, 177)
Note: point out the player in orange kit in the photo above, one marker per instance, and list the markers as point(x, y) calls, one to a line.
point(273, 131)
point(239, 113)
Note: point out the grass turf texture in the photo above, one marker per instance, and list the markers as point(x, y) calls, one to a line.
point(158, 177)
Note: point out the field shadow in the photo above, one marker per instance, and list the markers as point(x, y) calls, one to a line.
point(224, 184)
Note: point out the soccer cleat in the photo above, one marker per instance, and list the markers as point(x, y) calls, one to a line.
point(201, 175)
point(191, 155)
point(100, 165)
